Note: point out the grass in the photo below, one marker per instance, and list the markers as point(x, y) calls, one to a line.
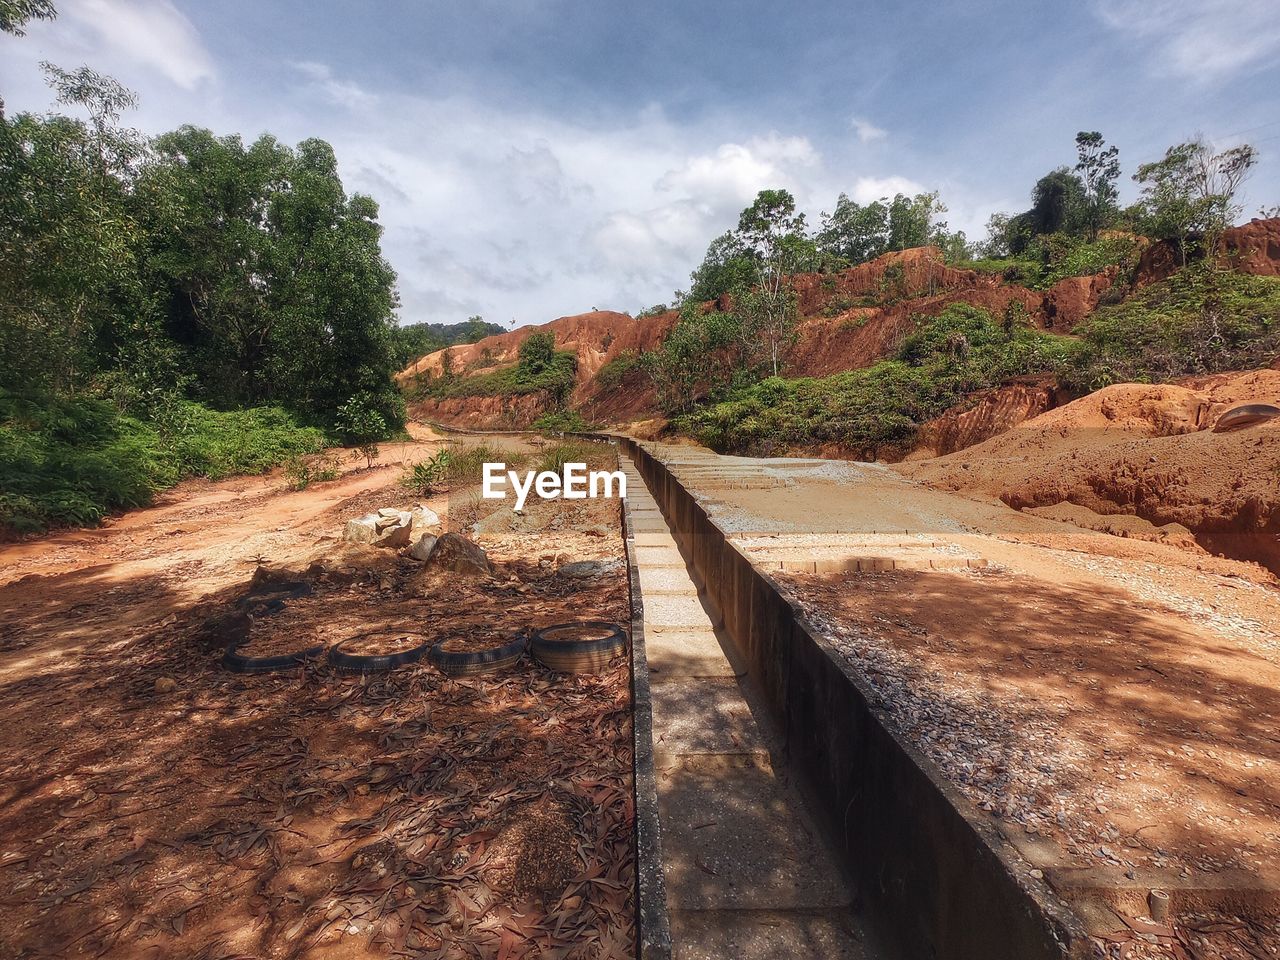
point(556, 378)
point(1055, 257)
point(72, 460)
point(877, 410)
point(457, 467)
point(1199, 320)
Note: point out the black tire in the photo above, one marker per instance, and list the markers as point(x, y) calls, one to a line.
point(236, 663)
point(374, 662)
point(588, 655)
point(457, 663)
point(1247, 415)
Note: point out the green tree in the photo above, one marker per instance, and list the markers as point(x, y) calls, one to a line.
point(773, 234)
point(16, 14)
point(1191, 191)
point(854, 231)
point(537, 353)
point(726, 266)
point(1098, 166)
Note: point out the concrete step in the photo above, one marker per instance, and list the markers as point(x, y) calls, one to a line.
point(655, 580)
point(781, 934)
point(659, 557)
point(703, 716)
point(734, 838)
point(675, 655)
point(676, 611)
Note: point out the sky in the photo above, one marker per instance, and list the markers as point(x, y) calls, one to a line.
point(539, 158)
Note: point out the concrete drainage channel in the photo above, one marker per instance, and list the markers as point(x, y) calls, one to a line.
point(729, 862)
point(746, 704)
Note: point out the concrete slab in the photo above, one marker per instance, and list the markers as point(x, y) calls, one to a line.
point(680, 654)
point(707, 715)
point(648, 538)
point(734, 838)
point(655, 580)
point(716, 934)
point(658, 557)
point(674, 611)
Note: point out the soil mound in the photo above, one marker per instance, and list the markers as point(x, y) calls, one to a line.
point(1145, 451)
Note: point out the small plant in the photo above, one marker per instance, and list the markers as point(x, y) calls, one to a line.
point(362, 426)
point(301, 472)
point(561, 421)
point(424, 478)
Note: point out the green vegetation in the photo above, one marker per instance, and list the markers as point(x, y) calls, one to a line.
point(594, 455)
point(541, 367)
point(1053, 257)
point(618, 369)
point(302, 472)
point(1200, 320)
point(196, 305)
point(877, 409)
point(415, 340)
point(70, 460)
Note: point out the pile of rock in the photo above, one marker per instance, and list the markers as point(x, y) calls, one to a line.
point(418, 530)
point(392, 527)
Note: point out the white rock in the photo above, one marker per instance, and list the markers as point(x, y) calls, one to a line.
point(421, 550)
point(361, 530)
point(422, 519)
point(397, 536)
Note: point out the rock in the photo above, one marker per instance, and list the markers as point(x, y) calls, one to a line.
point(361, 530)
point(585, 569)
point(391, 512)
point(166, 684)
point(398, 536)
point(455, 552)
point(421, 550)
point(422, 520)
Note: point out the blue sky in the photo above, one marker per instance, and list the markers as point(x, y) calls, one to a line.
point(536, 158)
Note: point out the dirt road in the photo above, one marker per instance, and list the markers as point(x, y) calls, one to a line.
point(154, 804)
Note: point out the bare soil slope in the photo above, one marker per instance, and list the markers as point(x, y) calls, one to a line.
point(1145, 451)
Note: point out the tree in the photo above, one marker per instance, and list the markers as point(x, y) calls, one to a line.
point(912, 220)
point(855, 232)
point(773, 234)
point(16, 14)
point(727, 265)
point(1098, 166)
point(1191, 191)
point(537, 353)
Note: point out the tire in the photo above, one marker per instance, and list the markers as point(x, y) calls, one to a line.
point(375, 662)
point(236, 663)
point(579, 656)
point(1247, 415)
point(458, 663)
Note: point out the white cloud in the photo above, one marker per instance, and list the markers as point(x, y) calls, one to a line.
point(342, 92)
point(868, 189)
point(867, 131)
point(150, 32)
point(1206, 40)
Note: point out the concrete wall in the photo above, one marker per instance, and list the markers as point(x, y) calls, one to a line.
point(935, 879)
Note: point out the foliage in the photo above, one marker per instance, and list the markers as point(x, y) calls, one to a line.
point(1197, 321)
point(425, 477)
point(878, 409)
point(1098, 167)
point(596, 455)
point(540, 368)
point(71, 460)
point(1191, 190)
point(727, 266)
point(415, 340)
point(611, 375)
point(15, 14)
point(561, 421)
point(858, 233)
point(302, 472)
point(657, 310)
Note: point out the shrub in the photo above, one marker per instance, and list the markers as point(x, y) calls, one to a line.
point(1197, 321)
point(596, 455)
point(561, 421)
point(301, 472)
point(71, 460)
point(877, 409)
point(424, 478)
